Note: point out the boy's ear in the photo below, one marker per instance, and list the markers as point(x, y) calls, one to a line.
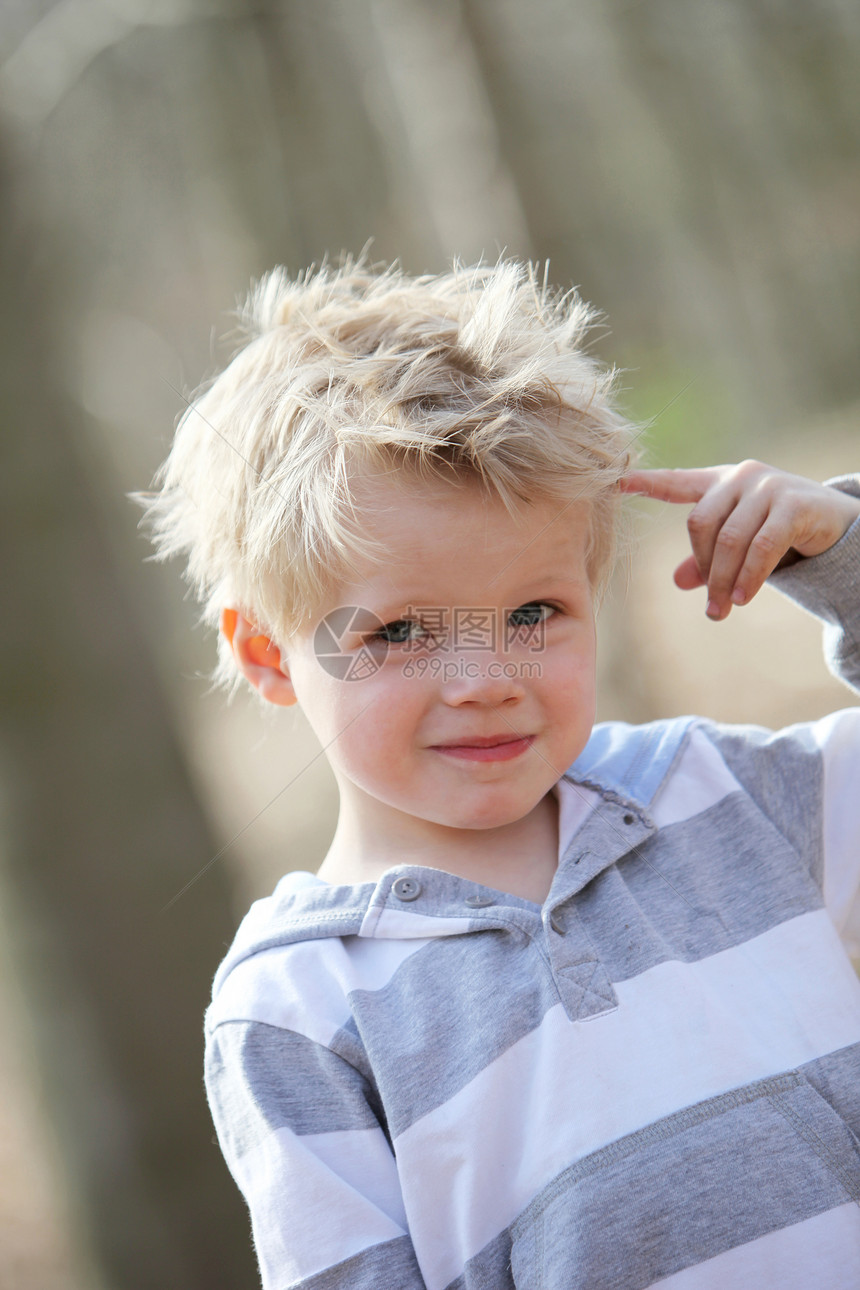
point(258, 659)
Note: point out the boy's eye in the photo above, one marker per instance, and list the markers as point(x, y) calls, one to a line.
point(531, 614)
point(401, 632)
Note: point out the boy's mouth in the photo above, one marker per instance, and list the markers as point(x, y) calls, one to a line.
point(486, 747)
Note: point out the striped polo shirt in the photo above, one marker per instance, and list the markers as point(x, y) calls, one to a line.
point(651, 1079)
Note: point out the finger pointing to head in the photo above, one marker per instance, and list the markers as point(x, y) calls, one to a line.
point(681, 486)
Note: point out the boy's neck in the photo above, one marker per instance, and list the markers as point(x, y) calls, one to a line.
point(518, 858)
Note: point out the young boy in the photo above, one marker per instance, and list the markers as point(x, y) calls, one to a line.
point(565, 1006)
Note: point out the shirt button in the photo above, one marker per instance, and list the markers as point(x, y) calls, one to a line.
point(629, 819)
point(478, 902)
point(406, 889)
point(555, 924)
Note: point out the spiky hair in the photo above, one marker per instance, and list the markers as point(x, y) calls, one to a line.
point(479, 373)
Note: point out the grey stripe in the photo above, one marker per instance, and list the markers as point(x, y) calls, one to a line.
point(390, 1266)
point(449, 1017)
point(704, 885)
point(766, 764)
point(276, 1079)
point(683, 1190)
point(837, 1079)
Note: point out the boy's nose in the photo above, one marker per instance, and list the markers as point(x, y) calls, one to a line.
point(483, 678)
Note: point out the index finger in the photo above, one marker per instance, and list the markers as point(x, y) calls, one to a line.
point(670, 485)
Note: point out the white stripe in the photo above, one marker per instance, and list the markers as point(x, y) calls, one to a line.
point(315, 1203)
point(304, 987)
point(363, 1159)
point(683, 1032)
point(838, 737)
point(397, 924)
point(699, 781)
point(821, 1252)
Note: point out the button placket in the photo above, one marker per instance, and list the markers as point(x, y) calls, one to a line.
point(582, 981)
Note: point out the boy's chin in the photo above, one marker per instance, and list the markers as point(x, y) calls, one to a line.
point(497, 816)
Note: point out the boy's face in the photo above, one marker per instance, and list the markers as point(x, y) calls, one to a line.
point(479, 689)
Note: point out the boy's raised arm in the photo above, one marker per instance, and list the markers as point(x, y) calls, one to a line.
point(747, 520)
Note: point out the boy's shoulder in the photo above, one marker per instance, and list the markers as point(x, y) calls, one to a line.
point(302, 907)
point(643, 764)
point(631, 761)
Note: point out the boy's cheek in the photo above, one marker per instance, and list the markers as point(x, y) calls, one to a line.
point(348, 717)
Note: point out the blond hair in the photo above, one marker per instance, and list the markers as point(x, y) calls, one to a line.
point(479, 373)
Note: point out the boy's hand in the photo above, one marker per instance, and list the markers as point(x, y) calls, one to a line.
point(748, 519)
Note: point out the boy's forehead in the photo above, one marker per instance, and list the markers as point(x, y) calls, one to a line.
point(436, 534)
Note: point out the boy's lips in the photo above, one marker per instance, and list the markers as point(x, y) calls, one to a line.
point(486, 747)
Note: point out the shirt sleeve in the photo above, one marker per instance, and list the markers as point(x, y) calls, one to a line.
point(828, 586)
point(300, 1136)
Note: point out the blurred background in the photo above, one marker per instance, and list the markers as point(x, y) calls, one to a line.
point(692, 165)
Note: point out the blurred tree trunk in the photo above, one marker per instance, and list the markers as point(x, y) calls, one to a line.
point(101, 829)
point(425, 91)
